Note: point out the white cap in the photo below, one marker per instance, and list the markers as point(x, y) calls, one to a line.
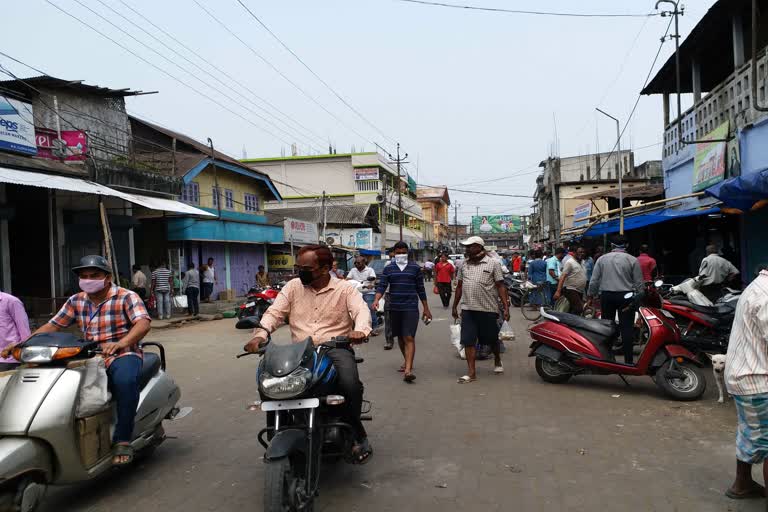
point(473, 240)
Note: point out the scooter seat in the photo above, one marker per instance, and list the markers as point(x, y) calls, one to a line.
point(149, 368)
point(717, 310)
point(601, 326)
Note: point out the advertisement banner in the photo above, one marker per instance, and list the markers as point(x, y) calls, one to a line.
point(300, 231)
point(580, 214)
point(361, 238)
point(411, 184)
point(280, 262)
point(490, 224)
point(709, 161)
point(75, 142)
point(368, 173)
point(17, 129)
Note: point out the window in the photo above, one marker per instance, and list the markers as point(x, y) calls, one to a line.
point(251, 202)
point(229, 200)
point(191, 193)
point(215, 195)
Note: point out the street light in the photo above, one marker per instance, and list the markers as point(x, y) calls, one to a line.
point(618, 160)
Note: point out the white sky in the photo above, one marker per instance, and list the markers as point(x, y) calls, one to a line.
point(470, 95)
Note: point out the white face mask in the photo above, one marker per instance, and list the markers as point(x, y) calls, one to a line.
point(401, 260)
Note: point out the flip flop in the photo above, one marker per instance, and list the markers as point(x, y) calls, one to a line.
point(402, 369)
point(122, 450)
point(466, 379)
point(409, 377)
point(756, 492)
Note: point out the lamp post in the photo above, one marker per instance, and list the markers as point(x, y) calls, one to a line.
point(620, 171)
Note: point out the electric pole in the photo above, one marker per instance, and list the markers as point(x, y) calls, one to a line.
point(325, 217)
point(677, 12)
point(477, 214)
point(217, 195)
point(456, 226)
point(399, 161)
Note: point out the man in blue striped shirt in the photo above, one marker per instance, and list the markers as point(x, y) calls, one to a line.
point(406, 288)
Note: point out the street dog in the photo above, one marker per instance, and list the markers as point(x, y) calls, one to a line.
point(718, 369)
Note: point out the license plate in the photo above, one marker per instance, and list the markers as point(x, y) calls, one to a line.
point(250, 304)
point(308, 403)
point(667, 314)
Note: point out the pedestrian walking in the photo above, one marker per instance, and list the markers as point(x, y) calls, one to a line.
point(209, 280)
point(554, 267)
point(573, 282)
point(444, 272)
point(14, 327)
point(647, 264)
point(429, 268)
point(716, 272)
point(517, 262)
point(389, 339)
point(616, 274)
point(405, 282)
point(537, 274)
point(139, 282)
point(162, 283)
point(746, 378)
point(480, 288)
point(191, 287)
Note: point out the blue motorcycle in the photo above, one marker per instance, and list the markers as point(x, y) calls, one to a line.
point(304, 422)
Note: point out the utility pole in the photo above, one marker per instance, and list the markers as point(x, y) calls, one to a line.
point(325, 217)
point(477, 214)
point(217, 194)
point(456, 226)
point(621, 172)
point(399, 161)
point(677, 12)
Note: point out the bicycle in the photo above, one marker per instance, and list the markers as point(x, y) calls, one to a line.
point(540, 291)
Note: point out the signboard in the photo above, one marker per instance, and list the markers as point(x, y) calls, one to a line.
point(709, 161)
point(17, 129)
point(361, 238)
point(75, 142)
point(299, 231)
point(489, 224)
point(368, 173)
point(580, 214)
point(280, 262)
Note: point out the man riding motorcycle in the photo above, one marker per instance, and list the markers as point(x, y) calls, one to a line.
point(318, 306)
point(116, 319)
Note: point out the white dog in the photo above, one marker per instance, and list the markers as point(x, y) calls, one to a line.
point(718, 369)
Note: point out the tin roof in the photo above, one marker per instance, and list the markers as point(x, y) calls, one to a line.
point(27, 86)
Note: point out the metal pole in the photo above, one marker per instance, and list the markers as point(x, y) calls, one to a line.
point(675, 13)
point(456, 226)
point(620, 172)
point(399, 193)
point(217, 192)
point(325, 217)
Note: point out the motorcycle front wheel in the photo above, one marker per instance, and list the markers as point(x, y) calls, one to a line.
point(685, 382)
point(280, 484)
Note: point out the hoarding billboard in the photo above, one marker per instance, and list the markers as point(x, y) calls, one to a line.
point(580, 214)
point(709, 161)
point(494, 224)
point(17, 129)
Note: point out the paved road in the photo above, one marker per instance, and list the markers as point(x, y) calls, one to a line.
point(506, 442)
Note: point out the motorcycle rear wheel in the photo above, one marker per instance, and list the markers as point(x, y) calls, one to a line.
point(690, 387)
point(552, 372)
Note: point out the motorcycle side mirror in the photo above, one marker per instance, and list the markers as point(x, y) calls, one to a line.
point(658, 283)
point(371, 279)
point(248, 322)
point(629, 295)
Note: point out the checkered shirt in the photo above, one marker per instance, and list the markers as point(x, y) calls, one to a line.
point(109, 321)
point(479, 280)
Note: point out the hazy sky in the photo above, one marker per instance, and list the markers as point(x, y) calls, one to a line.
point(470, 95)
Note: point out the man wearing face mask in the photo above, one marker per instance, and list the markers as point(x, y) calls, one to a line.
point(321, 307)
point(116, 319)
point(406, 288)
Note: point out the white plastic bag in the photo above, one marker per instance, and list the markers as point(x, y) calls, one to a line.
point(180, 301)
point(506, 333)
point(94, 392)
point(381, 305)
point(456, 340)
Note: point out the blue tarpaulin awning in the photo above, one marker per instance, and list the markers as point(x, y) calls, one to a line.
point(639, 221)
point(741, 192)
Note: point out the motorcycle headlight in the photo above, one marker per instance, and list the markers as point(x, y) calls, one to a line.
point(285, 387)
point(36, 354)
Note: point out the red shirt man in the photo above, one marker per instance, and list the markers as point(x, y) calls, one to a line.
point(516, 262)
point(444, 271)
point(647, 264)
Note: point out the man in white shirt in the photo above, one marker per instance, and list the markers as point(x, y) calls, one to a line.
point(746, 378)
point(209, 279)
point(361, 272)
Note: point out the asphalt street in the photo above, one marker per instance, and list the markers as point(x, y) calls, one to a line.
point(509, 442)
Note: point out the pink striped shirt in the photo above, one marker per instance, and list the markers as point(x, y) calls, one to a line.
point(14, 324)
point(746, 365)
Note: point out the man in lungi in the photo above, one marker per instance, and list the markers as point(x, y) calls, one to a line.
point(746, 378)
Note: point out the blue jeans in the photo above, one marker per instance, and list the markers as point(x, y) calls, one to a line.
point(369, 298)
point(123, 375)
point(163, 299)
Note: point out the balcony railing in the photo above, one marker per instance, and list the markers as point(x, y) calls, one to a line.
point(368, 186)
point(729, 101)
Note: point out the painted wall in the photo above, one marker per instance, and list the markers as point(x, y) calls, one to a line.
point(238, 183)
point(180, 229)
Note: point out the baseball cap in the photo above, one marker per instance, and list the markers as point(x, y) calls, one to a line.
point(473, 240)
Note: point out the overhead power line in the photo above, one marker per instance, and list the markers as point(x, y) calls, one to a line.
point(536, 13)
point(326, 84)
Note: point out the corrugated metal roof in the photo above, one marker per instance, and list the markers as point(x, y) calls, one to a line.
point(58, 83)
point(335, 214)
point(36, 179)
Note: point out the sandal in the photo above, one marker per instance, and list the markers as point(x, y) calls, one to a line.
point(753, 493)
point(409, 377)
point(122, 450)
point(361, 452)
point(466, 379)
point(402, 369)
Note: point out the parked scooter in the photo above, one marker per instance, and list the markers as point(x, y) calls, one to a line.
point(43, 443)
point(257, 301)
point(304, 428)
point(567, 345)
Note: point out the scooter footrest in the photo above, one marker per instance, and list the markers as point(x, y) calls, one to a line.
point(366, 418)
point(359, 360)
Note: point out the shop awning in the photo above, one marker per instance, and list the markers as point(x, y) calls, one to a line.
point(743, 192)
point(639, 221)
point(51, 181)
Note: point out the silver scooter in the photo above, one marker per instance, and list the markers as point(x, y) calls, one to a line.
point(42, 442)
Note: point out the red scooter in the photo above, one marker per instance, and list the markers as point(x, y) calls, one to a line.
point(566, 345)
point(257, 301)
